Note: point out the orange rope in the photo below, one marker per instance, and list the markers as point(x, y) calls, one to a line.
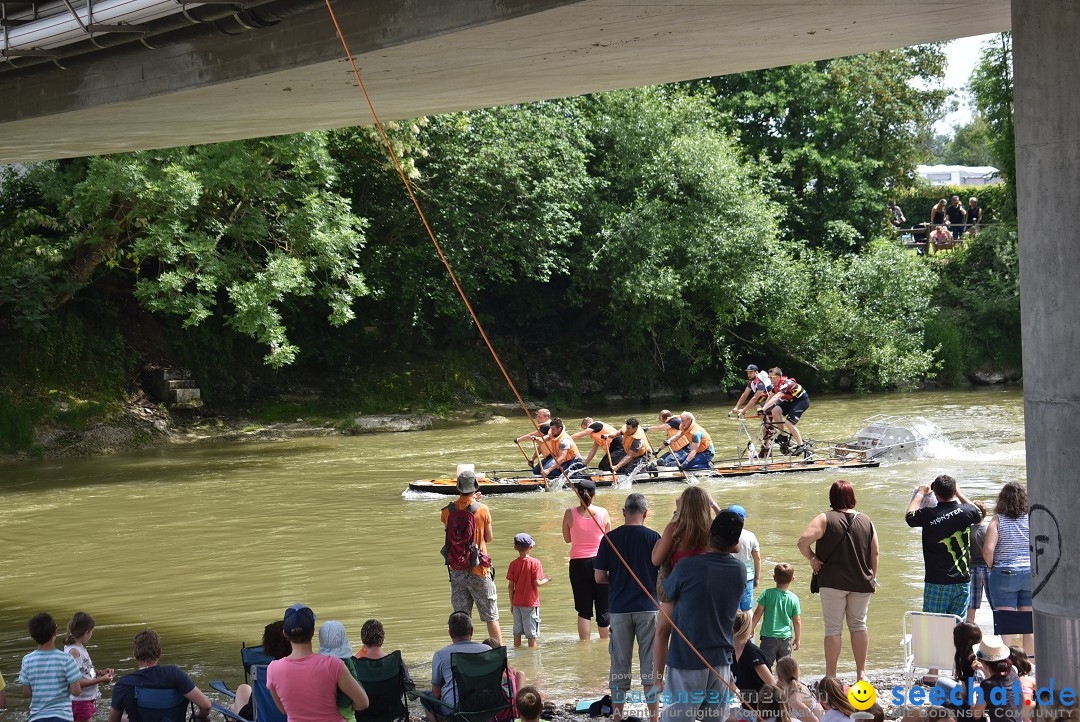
point(480, 328)
point(427, 227)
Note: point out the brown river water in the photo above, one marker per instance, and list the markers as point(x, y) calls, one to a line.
point(207, 543)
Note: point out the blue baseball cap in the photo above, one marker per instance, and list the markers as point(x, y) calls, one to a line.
point(738, 510)
point(524, 540)
point(299, 619)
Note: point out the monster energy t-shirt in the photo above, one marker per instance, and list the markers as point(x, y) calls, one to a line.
point(946, 540)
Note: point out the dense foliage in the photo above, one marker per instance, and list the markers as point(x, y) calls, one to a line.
point(836, 134)
point(233, 229)
point(991, 88)
point(616, 243)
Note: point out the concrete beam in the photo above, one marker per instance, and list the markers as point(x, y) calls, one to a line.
point(422, 58)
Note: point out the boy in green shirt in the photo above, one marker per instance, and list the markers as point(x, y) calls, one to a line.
point(780, 610)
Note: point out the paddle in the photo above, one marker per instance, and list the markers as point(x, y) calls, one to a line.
point(675, 457)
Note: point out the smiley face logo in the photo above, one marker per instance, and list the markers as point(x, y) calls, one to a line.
point(862, 695)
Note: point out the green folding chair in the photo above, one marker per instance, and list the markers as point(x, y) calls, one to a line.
point(384, 682)
point(482, 687)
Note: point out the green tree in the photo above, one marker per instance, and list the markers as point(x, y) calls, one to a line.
point(683, 229)
point(235, 229)
point(991, 87)
point(838, 134)
point(862, 314)
point(502, 189)
point(970, 144)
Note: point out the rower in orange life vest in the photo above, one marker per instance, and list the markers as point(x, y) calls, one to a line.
point(676, 443)
point(758, 388)
point(601, 434)
point(788, 399)
point(545, 458)
point(700, 444)
point(567, 456)
point(635, 445)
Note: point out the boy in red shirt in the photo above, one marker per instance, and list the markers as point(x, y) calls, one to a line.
point(526, 575)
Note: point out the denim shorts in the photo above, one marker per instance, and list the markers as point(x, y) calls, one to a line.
point(1010, 587)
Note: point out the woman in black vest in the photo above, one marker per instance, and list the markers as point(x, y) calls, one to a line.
point(844, 559)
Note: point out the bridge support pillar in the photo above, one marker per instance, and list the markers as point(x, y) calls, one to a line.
point(1046, 56)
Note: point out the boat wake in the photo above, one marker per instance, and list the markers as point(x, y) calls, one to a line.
point(939, 446)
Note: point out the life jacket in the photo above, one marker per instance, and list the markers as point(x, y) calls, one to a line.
point(706, 441)
point(628, 440)
point(676, 438)
point(546, 448)
point(607, 431)
point(556, 444)
point(789, 388)
point(461, 552)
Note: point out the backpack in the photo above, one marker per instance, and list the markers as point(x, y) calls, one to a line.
point(461, 550)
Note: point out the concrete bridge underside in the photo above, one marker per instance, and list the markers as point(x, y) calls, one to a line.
point(421, 58)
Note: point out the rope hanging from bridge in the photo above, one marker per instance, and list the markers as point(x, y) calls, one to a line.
point(491, 348)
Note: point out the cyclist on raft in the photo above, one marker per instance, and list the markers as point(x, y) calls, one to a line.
point(677, 451)
point(602, 435)
point(700, 445)
point(545, 457)
point(789, 399)
point(565, 450)
point(758, 388)
point(635, 444)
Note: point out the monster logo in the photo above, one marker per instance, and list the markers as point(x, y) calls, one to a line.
point(958, 544)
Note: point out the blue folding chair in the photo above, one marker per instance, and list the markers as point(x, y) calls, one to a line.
point(263, 707)
point(162, 705)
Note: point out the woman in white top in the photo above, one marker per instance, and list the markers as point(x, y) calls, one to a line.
point(1007, 553)
point(582, 528)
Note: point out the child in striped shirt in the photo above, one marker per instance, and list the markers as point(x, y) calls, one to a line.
point(48, 676)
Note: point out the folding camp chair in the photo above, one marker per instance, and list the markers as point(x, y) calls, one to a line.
point(251, 656)
point(262, 702)
point(928, 642)
point(384, 682)
point(162, 705)
point(482, 686)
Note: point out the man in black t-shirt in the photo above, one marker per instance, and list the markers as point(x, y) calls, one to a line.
point(946, 541)
point(957, 217)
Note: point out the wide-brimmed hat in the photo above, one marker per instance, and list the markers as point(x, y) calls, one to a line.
point(991, 649)
point(466, 482)
point(334, 641)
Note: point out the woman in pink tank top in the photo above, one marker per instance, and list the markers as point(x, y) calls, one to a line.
point(583, 527)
